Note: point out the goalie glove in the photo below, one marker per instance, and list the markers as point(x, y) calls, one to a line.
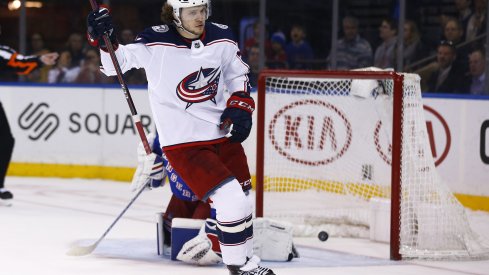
point(150, 170)
point(236, 118)
point(204, 248)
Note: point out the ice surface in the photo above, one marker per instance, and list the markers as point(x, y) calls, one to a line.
point(48, 215)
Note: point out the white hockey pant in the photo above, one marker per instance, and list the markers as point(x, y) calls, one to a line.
point(234, 223)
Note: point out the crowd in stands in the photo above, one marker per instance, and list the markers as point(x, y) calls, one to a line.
point(78, 62)
point(457, 64)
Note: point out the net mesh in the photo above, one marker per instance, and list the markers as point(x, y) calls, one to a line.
point(327, 153)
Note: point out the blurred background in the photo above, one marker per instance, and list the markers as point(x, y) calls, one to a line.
point(69, 120)
point(298, 34)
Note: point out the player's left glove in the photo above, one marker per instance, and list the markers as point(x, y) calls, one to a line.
point(236, 118)
point(150, 170)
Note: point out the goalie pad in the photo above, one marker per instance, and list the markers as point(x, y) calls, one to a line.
point(162, 248)
point(203, 249)
point(272, 240)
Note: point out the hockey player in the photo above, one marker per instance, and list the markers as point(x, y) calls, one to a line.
point(152, 171)
point(12, 62)
point(188, 62)
point(272, 239)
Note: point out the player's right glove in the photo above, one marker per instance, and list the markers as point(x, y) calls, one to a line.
point(100, 23)
point(236, 118)
point(150, 171)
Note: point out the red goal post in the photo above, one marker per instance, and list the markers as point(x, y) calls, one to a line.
point(423, 201)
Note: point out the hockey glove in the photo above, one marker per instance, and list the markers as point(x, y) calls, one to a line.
point(100, 23)
point(150, 170)
point(236, 118)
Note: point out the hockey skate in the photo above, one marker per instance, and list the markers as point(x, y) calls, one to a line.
point(5, 197)
point(251, 267)
point(5, 194)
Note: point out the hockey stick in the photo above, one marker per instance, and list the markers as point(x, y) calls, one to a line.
point(85, 250)
point(78, 250)
point(127, 94)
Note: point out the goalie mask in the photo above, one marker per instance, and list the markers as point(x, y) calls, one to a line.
point(177, 5)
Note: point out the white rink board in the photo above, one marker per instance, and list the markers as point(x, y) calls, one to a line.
point(466, 165)
point(331, 131)
point(79, 143)
point(458, 130)
point(66, 125)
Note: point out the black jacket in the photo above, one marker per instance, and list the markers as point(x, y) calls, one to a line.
point(456, 82)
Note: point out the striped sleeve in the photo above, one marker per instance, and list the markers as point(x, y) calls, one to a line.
point(22, 65)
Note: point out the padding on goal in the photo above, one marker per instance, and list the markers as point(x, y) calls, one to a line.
point(328, 143)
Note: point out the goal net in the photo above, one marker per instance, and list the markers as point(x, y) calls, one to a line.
point(332, 143)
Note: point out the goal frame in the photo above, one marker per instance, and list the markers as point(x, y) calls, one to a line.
point(397, 79)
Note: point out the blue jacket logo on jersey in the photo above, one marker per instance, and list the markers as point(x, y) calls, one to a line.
point(199, 86)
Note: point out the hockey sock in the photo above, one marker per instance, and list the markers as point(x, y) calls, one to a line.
point(233, 222)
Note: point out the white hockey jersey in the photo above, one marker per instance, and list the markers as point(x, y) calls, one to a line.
point(187, 80)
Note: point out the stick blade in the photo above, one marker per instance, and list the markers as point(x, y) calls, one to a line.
point(78, 250)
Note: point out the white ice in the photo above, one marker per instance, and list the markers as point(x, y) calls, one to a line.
point(48, 215)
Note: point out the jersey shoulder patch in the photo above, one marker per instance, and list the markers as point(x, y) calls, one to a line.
point(160, 28)
point(215, 31)
point(160, 33)
point(224, 27)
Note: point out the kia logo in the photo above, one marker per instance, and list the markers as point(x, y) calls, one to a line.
point(443, 142)
point(310, 132)
point(38, 122)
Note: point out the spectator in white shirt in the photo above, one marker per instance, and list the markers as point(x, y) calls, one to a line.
point(63, 72)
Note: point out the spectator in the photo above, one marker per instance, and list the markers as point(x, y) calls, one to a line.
point(133, 76)
point(64, 72)
point(385, 52)
point(90, 69)
point(478, 21)
point(477, 70)
point(37, 48)
point(353, 51)
point(255, 40)
point(75, 46)
point(414, 48)
point(448, 77)
point(37, 45)
point(298, 50)
point(278, 59)
point(453, 32)
point(253, 61)
point(127, 37)
point(464, 12)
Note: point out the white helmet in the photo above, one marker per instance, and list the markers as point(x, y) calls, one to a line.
point(179, 4)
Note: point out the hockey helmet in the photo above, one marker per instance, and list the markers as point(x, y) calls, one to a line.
point(179, 4)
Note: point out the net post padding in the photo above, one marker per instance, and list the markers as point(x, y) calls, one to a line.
point(323, 151)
